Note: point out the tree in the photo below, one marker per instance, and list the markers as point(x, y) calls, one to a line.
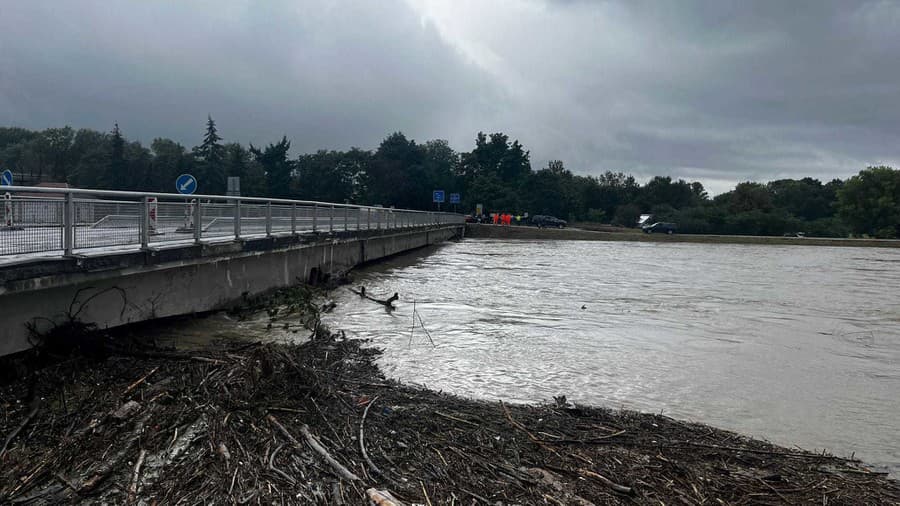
point(806, 198)
point(91, 150)
point(114, 177)
point(869, 202)
point(210, 157)
point(170, 159)
point(277, 167)
point(396, 176)
point(325, 176)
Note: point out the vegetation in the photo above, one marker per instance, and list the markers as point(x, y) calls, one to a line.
point(496, 173)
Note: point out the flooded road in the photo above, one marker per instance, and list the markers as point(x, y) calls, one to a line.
point(799, 345)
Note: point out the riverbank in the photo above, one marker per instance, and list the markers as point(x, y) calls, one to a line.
point(483, 231)
point(319, 423)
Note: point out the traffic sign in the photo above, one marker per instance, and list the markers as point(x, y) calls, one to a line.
point(454, 198)
point(6, 178)
point(437, 196)
point(186, 184)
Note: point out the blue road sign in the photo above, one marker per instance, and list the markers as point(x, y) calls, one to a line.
point(6, 178)
point(186, 184)
point(454, 198)
point(437, 196)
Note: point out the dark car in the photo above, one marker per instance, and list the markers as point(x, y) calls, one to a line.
point(470, 219)
point(660, 227)
point(542, 221)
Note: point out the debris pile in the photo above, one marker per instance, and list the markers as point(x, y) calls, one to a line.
point(317, 423)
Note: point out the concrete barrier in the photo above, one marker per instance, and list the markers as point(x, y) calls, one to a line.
point(117, 289)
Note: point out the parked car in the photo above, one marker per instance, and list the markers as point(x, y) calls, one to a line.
point(470, 219)
point(541, 221)
point(660, 227)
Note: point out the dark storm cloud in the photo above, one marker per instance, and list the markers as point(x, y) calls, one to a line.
point(720, 91)
point(326, 75)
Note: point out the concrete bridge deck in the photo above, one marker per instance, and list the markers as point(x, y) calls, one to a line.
point(145, 276)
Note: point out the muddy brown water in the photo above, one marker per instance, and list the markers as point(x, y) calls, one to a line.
point(797, 345)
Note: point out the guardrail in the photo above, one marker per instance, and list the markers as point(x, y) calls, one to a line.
point(69, 220)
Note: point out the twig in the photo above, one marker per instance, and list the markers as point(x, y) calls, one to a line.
point(523, 429)
point(427, 499)
point(425, 329)
point(138, 382)
point(12, 435)
point(412, 328)
point(362, 444)
point(233, 477)
point(315, 445)
point(751, 450)
point(135, 478)
point(622, 489)
point(455, 419)
point(279, 471)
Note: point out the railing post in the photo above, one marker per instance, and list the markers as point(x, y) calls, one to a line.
point(378, 213)
point(358, 218)
point(368, 218)
point(293, 218)
point(268, 219)
point(69, 225)
point(315, 216)
point(331, 220)
point(198, 221)
point(346, 217)
point(145, 222)
point(237, 219)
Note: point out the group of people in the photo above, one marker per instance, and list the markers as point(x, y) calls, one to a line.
point(505, 219)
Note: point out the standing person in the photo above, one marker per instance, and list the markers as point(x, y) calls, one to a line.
point(495, 218)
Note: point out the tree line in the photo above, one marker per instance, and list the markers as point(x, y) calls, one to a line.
point(497, 173)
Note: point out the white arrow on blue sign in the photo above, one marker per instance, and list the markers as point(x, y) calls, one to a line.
point(6, 178)
point(437, 196)
point(454, 198)
point(186, 184)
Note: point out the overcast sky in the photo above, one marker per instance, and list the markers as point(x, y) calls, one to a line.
point(713, 90)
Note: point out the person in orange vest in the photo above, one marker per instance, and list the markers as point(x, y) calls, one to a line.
point(495, 218)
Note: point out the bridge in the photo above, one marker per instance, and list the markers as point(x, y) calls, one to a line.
point(118, 257)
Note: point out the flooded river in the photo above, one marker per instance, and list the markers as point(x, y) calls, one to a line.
point(799, 345)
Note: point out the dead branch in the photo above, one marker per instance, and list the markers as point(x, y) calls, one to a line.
point(315, 445)
point(12, 435)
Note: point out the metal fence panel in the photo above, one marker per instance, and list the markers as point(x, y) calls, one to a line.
point(58, 220)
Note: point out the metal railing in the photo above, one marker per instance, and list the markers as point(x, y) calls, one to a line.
point(68, 220)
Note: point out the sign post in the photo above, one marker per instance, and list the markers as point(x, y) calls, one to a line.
point(437, 196)
point(186, 184)
point(454, 199)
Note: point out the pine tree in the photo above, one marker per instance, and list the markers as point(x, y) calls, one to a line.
point(210, 156)
point(116, 168)
point(211, 150)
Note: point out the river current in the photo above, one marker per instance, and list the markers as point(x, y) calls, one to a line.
point(798, 345)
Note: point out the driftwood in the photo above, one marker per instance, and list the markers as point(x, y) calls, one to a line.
point(622, 489)
point(383, 498)
point(136, 477)
point(339, 468)
point(389, 302)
